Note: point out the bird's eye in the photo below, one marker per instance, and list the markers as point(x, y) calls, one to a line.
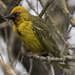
point(16, 14)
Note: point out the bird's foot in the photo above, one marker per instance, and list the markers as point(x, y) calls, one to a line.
point(32, 54)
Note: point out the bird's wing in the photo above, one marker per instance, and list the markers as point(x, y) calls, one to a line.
point(43, 33)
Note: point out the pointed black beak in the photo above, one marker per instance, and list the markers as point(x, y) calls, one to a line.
point(10, 16)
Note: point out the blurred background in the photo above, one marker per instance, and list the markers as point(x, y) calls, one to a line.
point(12, 61)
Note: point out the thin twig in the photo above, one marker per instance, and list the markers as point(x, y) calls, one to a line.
point(31, 66)
point(45, 8)
point(37, 6)
point(2, 19)
point(8, 70)
point(41, 3)
point(73, 48)
point(52, 69)
point(72, 21)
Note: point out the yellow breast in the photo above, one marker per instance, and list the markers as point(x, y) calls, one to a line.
point(26, 34)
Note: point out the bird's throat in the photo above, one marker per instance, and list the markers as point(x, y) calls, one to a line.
point(18, 21)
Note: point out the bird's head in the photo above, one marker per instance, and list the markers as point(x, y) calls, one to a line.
point(17, 13)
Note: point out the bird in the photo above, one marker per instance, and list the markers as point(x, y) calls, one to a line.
point(34, 33)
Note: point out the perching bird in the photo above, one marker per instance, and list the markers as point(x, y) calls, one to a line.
point(33, 32)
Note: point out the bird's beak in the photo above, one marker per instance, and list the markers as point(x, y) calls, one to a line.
point(10, 16)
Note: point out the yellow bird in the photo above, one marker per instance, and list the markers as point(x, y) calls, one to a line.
point(33, 32)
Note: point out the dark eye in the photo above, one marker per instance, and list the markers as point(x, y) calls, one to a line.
point(16, 14)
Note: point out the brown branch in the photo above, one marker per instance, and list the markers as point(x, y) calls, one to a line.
point(2, 19)
point(72, 21)
point(41, 3)
point(45, 8)
point(31, 66)
point(7, 68)
point(73, 48)
point(54, 59)
point(52, 69)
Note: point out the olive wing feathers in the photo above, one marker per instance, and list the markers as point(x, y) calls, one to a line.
point(43, 33)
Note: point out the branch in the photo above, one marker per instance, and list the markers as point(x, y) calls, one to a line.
point(72, 21)
point(7, 68)
point(45, 8)
point(2, 19)
point(54, 59)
